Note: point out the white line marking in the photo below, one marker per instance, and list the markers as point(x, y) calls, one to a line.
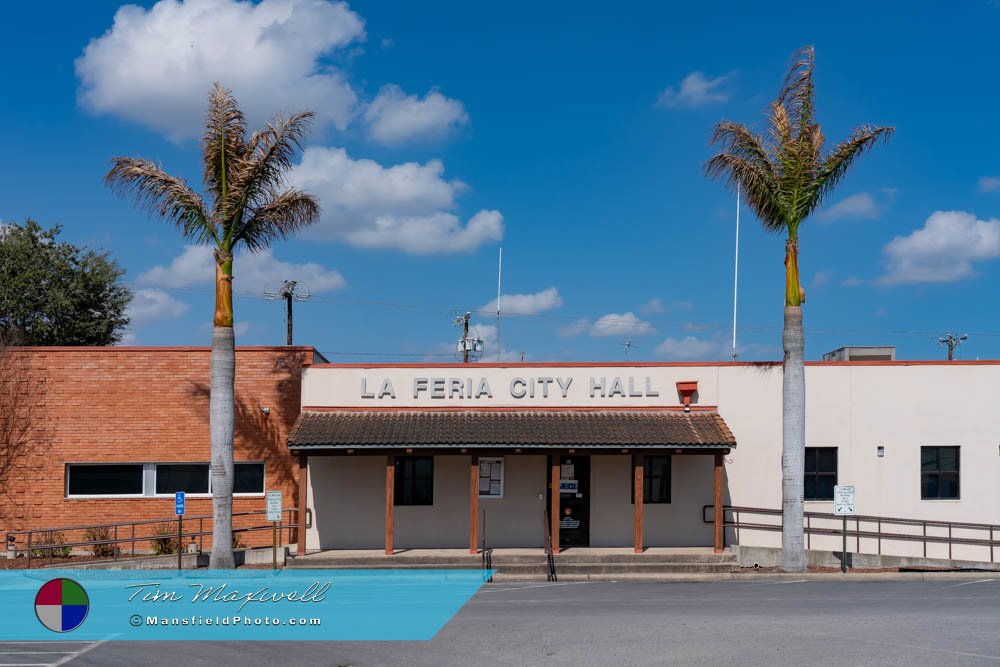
point(522, 588)
point(967, 583)
point(32, 653)
point(911, 647)
point(76, 655)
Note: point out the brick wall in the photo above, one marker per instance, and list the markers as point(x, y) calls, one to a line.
point(148, 405)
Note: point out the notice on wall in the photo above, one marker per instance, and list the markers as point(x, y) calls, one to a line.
point(569, 486)
point(567, 471)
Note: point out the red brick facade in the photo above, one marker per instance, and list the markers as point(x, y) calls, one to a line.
point(149, 405)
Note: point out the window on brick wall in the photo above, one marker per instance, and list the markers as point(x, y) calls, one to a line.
point(186, 477)
point(249, 478)
point(115, 479)
point(156, 479)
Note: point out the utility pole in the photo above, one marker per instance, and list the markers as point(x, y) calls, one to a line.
point(289, 291)
point(952, 342)
point(471, 348)
point(465, 337)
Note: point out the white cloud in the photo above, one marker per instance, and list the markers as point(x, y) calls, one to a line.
point(861, 205)
point(574, 329)
point(653, 307)
point(394, 117)
point(251, 272)
point(405, 207)
point(821, 278)
point(688, 348)
point(156, 66)
point(691, 348)
point(150, 305)
point(695, 90)
point(525, 304)
point(625, 324)
point(989, 184)
point(943, 251)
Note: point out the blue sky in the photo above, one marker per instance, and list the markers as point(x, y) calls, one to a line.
point(571, 134)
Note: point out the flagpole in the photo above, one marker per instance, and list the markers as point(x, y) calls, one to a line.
point(736, 268)
point(499, 268)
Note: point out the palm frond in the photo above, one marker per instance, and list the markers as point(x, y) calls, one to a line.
point(161, 194)
point(279, 217)
point(269, 154)
point(755, 183)
point(223, 143)
point(834, 166)
point(797, 92)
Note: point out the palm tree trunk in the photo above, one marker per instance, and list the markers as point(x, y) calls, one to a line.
point(222, 416)
point(793, 420)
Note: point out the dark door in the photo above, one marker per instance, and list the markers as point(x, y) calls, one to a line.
point(574, 501)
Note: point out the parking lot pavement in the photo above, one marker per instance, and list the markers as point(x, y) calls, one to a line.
point(747, 623)
point(42, 654)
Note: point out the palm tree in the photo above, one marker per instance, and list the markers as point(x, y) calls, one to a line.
point(784, 178)
point(246, 204)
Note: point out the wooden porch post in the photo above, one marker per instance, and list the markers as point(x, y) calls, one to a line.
point(719, 527)
point(554, 504)
point(390, 501)
point(637, 487)
point(300, 531)
point(474, 505)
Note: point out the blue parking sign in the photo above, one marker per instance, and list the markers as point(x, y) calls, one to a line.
point(179, 503)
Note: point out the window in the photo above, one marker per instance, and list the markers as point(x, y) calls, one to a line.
point(938, 472)
point(104, 480)
point(415, 480)
point(156, 479)
point(186, 477)
point(821, 473)
point(491, 478)
point(249, 478)
point(655, 480)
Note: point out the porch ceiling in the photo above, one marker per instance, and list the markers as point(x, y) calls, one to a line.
point(342, 429)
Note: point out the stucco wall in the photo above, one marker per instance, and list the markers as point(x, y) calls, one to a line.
point(677, 523)
point(516, 520)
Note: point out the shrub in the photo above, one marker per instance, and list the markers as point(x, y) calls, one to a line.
point(50, 538)
point(166, 540)
point(101, 550)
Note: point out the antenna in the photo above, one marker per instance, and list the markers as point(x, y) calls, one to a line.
point(499, 273)
point(470, 348)
point(952, 342)
point(290, 291)
point(628, 344)
point(736, 268)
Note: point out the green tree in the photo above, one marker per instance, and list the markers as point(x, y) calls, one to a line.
point(784, 177)
point(247, 204)
point(55, 293)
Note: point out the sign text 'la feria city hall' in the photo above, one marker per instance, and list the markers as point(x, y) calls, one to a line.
point(467, 388)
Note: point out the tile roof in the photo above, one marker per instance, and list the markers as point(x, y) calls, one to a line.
point(340, 429)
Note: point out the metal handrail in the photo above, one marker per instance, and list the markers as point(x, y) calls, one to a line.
point(858, 533)
point(549, 556)
point(285, 528)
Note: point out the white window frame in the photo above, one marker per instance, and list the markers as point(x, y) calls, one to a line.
point(103, 495)
point(149, 480)
point(491, 460)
